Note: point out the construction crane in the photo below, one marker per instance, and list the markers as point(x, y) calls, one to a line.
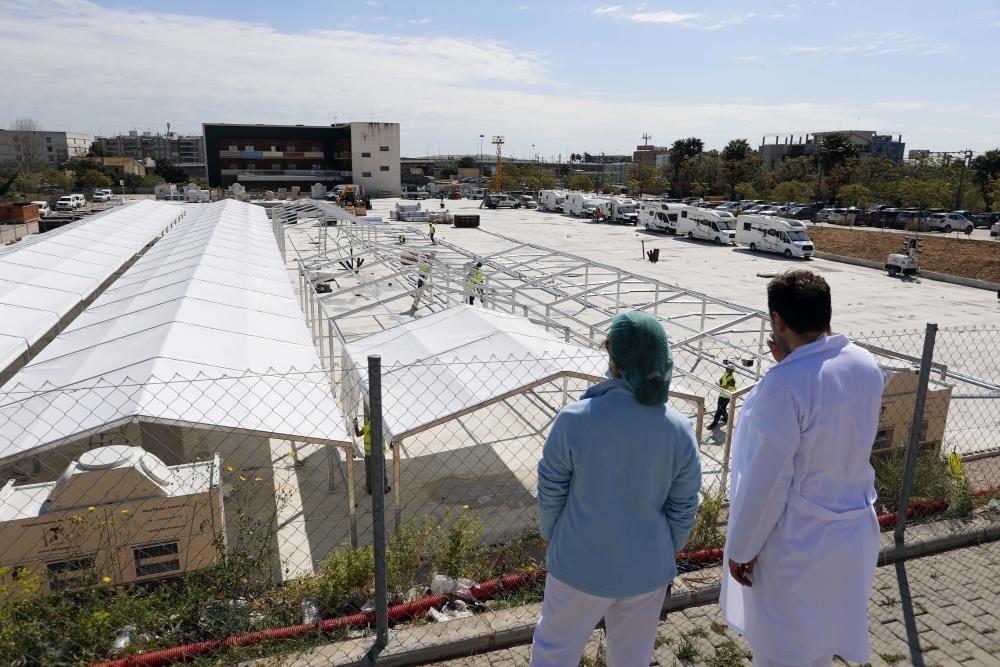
point(498, 141)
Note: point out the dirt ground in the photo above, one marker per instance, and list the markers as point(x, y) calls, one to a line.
point(954, 256)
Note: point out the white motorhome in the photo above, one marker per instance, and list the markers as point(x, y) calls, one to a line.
point(661, 216)
point(551, 200)
point(624, 209)
point(770, 234)
point(580, 204)
point(718, 227)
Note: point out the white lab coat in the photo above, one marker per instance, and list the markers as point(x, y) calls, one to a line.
point(802, 504)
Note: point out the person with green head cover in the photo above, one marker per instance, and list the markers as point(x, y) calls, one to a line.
point(618, 487)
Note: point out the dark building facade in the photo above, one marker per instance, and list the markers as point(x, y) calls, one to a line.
point(278, 156)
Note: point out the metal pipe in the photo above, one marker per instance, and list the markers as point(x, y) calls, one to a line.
point(377, 473)
point(914, 442)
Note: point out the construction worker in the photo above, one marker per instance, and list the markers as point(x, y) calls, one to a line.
point(432, 229)
point(366, 431)
point(402, 238)
point(728, 385)
point(474, 280)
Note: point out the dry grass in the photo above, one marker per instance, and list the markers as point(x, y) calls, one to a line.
point(942, 254)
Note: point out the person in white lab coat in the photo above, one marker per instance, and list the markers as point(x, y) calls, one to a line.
point(803, 536)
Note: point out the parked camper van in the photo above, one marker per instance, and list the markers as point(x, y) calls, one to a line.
point(580, 204)
point(771, 234)
point(660, 216)
point(551, 200)
point(624, 210)
point(707, 225)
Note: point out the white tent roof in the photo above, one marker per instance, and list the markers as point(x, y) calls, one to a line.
point(44, 277)
point(204, 329)
point(457, 360)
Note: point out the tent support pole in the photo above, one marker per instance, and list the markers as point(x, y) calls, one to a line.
point(398, 518)
point(350, 498)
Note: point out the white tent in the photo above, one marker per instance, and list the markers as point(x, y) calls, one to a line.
point(45, 278)
point(456, 361)
point(203, 330)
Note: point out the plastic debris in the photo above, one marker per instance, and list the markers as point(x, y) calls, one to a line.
point(310, 611)
point(368, 606)
point(123, 639)
point(450, 611)
point(457, 587)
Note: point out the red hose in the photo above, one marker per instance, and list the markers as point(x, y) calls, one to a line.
point(407, 610)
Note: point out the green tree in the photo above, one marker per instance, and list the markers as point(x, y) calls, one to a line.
point(581, 182)
point(92, 178)
point(854, 194)
point(681, 151)
point(170, 173)
point(736, 150)
point(450, 169)
point(986, 167)
point(467, 162)
point(792, 191)
point(796, 169)
point(835, 148)
point(646, 179)
point(991, 193)
point(746, 190)
point(924, 193)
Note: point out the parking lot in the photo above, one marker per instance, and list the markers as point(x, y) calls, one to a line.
point(864, 300)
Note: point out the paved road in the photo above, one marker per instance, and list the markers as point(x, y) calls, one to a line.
point(978, 234)
point(951, 617)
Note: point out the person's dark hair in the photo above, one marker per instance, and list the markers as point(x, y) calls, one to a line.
point(802, 298)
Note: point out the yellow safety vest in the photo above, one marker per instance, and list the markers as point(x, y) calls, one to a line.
point(433, 229)
point(728, 384)
point(367, 428)
point(476, 278)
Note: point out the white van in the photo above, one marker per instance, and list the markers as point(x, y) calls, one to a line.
point(770, 234)
point(66, 203)
point(624, 209)
point(43, 208)
point(551, 200)
point(707, 225)
point(79, 200)
point(660, 216)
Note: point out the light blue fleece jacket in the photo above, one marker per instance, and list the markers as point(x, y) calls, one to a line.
point(617, 492)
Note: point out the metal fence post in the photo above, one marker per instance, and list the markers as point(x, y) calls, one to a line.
point(913, 445)
point(378, 505)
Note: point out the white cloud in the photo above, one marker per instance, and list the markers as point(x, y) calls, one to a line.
point(640, 14)
point(420, 21)
point(777, 15)
point(886, 43)
point(901, 105)
point(523, 8)
point(445, 104)
point(936, 51)
point(373, 3)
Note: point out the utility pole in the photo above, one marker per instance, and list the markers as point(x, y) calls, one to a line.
point(498, 141)
point(961, 179)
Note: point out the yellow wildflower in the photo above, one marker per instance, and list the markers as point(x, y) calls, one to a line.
point(242, 478)
point(292, 453)
point(465, 507)
point(91, 508)
point(124, 511)
point(258, 478)
point(106, 580)
point(229, 468)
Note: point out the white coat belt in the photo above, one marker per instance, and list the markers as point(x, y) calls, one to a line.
point(807, 506)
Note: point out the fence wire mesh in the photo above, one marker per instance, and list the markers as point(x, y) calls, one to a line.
point(231, 516)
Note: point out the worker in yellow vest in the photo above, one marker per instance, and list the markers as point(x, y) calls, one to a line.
point(728, 386)
point(433, 229)
point(474, 281)
point(366, 431)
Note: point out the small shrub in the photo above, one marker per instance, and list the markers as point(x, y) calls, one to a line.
point(454, 554)
point(729, 654)
point(687, 651)
point(706, 533)
point(931, 479)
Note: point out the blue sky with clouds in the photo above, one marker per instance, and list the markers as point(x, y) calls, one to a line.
point(560, 76)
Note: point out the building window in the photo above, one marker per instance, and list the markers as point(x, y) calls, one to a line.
point(316, 166)
point(366, 174)
point(290, 149)
point(274, 149)
point(233, 147)
point(384, 149)
point(292, 165)
point(316, 148)
point(49, 148)
point(366, 155)
point(48, 140)
point(248, 147)
point(383, 168)
point(276, 165)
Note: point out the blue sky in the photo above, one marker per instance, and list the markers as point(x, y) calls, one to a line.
point(561, 76)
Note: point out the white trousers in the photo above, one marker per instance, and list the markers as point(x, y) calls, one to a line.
point(569, 617)
point(761, 661)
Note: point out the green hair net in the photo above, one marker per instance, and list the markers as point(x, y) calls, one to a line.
point(641, 352)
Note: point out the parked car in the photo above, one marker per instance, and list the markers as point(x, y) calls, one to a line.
point(995, 229)
point(831, 214)
point(43, 208)
point(66, 203)
point(502, 201)
point(949, 222)
point(80, 200)
point(986, 220)
point(101, 196)
point(803, 212)
point(527, 201)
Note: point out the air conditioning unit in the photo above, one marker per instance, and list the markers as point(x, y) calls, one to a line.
point(117, 515)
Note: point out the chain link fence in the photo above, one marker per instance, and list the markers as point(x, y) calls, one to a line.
point(137, 537)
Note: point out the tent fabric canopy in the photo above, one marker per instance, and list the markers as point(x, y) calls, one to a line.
point(456, 360)
point(204, 330)
point(43, 278)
